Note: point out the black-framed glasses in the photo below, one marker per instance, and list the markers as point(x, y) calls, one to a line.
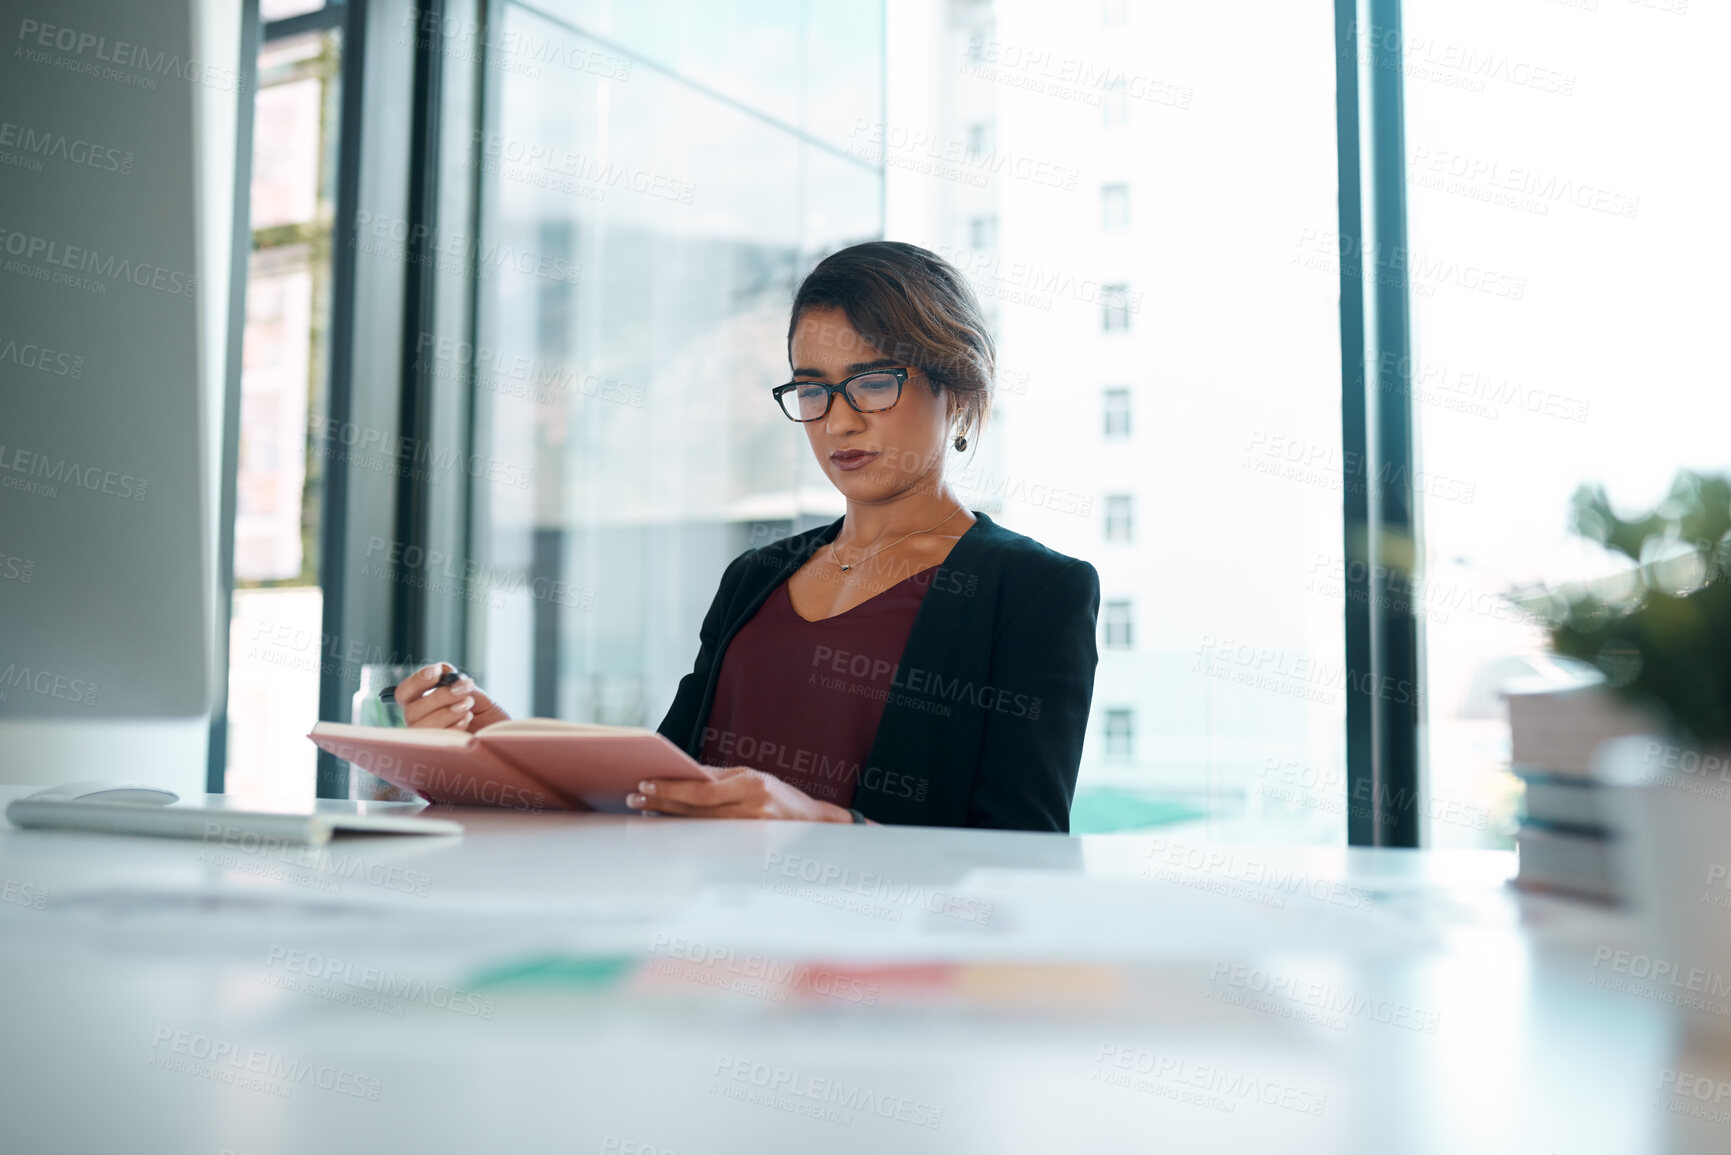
point(870, 392)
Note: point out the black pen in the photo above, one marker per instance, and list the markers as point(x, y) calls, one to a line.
point(450, 678)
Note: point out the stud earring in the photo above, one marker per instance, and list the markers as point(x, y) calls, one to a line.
point(961, 443)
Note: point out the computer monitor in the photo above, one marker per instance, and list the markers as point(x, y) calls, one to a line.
point(104, 599)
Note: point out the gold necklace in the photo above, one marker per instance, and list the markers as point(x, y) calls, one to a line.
point(844, 568)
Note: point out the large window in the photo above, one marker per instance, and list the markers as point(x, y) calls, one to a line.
point(276, 646)
point(1566, 241)
point(661, 176)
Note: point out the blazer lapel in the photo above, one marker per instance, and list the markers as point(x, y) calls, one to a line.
point(773, 565)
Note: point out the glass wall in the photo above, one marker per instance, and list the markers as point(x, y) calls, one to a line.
point(1566, 244)
point(654, 179)
point(1144, 197)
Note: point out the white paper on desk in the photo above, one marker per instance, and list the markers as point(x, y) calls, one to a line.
point(1198, 916)
point(1010, 914)
point(245, 922)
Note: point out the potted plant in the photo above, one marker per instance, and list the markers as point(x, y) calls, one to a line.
point(1660, 632)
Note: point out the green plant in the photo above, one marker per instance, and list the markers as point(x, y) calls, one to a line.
point(1661, 630)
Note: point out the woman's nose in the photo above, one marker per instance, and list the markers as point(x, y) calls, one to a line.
point(842, 418)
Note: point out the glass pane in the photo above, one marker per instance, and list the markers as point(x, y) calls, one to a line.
point(269, 10)
point(1214, 518)
point(664, 226)
point(276, 352)
point(285, 166)
point(276, 647)
point(815, 67)
point(1566, 235)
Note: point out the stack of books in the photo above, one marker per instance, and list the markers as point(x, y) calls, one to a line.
point(1572, 818)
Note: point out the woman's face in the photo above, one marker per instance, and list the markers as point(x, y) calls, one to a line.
point(870, 457)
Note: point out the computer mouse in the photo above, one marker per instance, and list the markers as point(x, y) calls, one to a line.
point(108, 792)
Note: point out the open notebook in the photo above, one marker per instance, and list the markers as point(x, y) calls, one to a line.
point(524, 764)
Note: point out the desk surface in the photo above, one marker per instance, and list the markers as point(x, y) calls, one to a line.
point(557, 983)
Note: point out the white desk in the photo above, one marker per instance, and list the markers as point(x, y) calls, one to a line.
point(1020, 992)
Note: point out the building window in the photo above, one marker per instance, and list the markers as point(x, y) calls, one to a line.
point(1115, 103)
point(1118, 411)
point(1116, 620)
point(980, 140)
point(983, 234)
point(1115, 308)
point(1120, 735)
point(1118, 526)
point(1115, 207)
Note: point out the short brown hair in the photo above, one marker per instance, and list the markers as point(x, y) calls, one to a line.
point(912, 305)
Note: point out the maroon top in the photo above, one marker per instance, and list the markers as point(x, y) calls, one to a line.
point(802, 700)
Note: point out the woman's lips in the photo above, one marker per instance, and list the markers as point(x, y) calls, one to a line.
point(852, 459)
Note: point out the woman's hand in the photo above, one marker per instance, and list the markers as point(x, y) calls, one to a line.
point(738, 792)
point(459, 706)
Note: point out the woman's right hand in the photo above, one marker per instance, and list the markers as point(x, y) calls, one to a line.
point(459, 706)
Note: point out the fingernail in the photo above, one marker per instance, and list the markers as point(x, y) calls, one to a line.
point(635, 800)
point(431, 671)
point(464, 705)
point(646, 787)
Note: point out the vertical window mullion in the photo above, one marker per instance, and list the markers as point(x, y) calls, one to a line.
point(1379, 524)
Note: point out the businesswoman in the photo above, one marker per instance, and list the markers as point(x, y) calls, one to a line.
point(913, 662)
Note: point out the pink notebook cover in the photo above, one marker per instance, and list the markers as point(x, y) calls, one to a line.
point(594, 770)
point(529, 771)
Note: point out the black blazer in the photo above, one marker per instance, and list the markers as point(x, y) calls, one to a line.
point(984, 726)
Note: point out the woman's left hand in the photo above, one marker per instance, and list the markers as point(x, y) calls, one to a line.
point(737, 792)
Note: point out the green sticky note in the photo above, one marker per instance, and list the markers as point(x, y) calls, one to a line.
point(559, 972)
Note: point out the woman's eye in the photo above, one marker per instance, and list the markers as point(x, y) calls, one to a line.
point(809, 392)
